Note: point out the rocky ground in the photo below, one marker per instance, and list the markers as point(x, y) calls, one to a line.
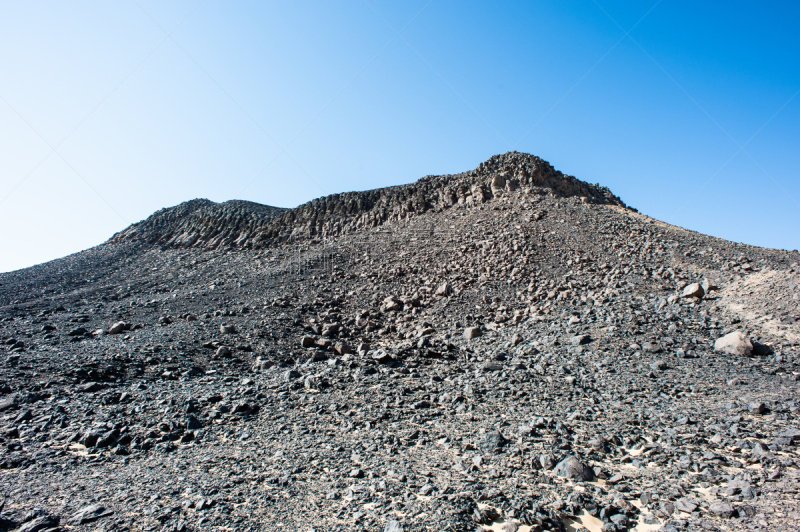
point(508, 348)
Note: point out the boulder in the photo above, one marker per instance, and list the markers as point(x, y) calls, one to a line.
point(709, 285)
point(444, 290)
point(722, 509)
point(735, 343)
point(118, 328)
point(580, 339)
point(307, 341)
point(498, 184)
point(472, 332)
point(572, 468)
point(491, 442)
point(382, 357)
point(547, 461)
point(694, 290)
point(223, 351)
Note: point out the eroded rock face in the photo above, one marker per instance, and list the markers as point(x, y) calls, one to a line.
point(242, 224)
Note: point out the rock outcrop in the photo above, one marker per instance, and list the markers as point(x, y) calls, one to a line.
point(243, 224)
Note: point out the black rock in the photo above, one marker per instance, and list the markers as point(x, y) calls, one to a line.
point(573, 469)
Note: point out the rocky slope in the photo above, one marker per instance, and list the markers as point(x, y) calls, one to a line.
point(506, 348)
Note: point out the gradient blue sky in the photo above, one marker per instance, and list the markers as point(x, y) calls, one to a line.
point(692, 117)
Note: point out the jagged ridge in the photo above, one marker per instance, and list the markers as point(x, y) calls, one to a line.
point(202, 223)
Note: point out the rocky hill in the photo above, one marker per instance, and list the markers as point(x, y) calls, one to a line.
point(508, 348)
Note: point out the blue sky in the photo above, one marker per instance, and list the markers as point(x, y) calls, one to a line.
point(688, 111)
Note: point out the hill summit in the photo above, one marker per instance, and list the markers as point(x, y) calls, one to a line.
point(202, 223)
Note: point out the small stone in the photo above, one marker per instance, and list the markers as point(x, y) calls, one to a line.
point(330, 329)
point(227, 329)
point(8, 403)
point(666, 507)
point(192, 423)
point(242, 408)
point(793, 434)
point(26, 415)
point(650, 347)
point(621, 520)
point(290, 375)
point(90, 387)
point(616, 478)
point(510, 526)
point(650, 519)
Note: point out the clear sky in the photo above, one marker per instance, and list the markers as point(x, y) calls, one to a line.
point(109, 111)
